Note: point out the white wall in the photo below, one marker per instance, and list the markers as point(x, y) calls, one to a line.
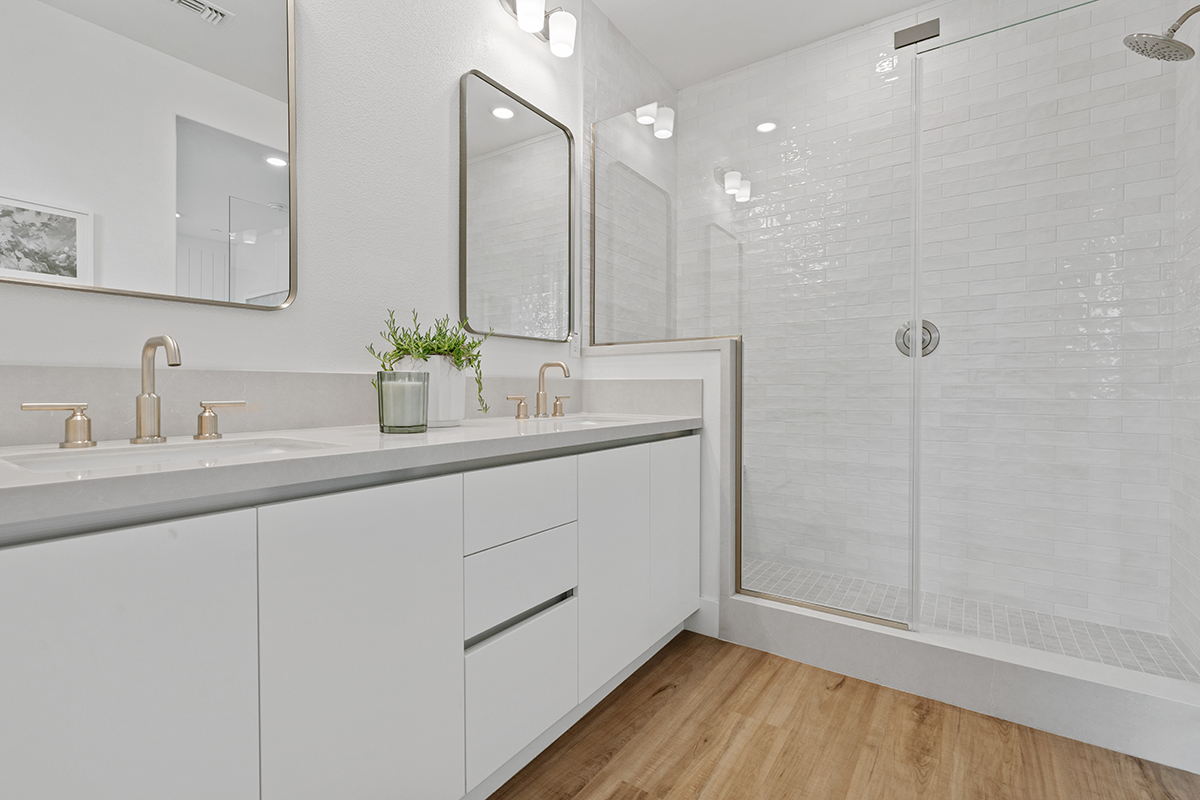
point(89, 125)
point(377, 166)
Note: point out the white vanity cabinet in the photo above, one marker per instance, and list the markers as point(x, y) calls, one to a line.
point(129, 664)
point(361, 609)
point(418, 639)
point(639, 552)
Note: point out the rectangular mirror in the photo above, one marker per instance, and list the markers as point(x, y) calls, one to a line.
point(516, 215)
point(146, 148)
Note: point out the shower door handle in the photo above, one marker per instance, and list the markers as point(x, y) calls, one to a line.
point(930, 336)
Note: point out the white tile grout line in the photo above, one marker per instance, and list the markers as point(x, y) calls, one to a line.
point(1120, 647)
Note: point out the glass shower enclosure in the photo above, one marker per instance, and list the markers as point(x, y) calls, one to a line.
point(1006, 189)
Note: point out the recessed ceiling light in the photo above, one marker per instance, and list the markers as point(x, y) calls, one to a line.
point(276, 161)
point(178, 215)
point(766, 127)
point(502, 113)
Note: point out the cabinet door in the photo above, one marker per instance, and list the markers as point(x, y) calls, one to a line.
point(674, 533)
point(361, 608)
point(614, 562)
point(129, 664)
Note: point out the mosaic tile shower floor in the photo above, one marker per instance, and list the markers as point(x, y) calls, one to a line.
point(1106, 644)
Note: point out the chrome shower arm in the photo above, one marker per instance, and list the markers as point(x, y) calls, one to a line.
point(1179, 22)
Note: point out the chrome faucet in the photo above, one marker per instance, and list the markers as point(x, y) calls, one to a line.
point(148, 412)
point(541, 395)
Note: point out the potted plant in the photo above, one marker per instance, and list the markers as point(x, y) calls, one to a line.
point(445, 351)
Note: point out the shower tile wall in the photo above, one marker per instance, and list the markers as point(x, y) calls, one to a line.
point(617, 78)
point(815, 273)
point(517, 242)
point(1185, 406)
point(1047, 242)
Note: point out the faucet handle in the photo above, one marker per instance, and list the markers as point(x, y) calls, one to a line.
point(206, 421)
point(522, 407)
point(78, 427)
point(558, 406)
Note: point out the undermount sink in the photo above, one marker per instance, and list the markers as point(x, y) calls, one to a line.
point(204, 454)
point(581, 421)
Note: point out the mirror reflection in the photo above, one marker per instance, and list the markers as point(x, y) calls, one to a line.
point(516, 216)
point(145, 148)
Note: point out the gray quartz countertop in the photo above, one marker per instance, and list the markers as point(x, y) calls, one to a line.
point(47, 493)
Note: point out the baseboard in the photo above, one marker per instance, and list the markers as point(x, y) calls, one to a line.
point(493, 782)
point(1131, 712)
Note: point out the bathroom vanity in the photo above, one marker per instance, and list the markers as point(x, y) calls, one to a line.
point(367, 616)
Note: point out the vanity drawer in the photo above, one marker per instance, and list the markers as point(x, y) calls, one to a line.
point(509, 580)
point(507, 503)
point(519, 683)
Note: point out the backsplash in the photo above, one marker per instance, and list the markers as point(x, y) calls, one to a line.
point(274, 400)
point(283, 400)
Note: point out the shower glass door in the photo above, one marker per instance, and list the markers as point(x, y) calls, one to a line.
point(825, 279)
point(1045, 234)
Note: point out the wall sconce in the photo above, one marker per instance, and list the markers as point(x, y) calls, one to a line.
point(557, 27)
point(661, 117)
point(664, 123)
point(733, 183)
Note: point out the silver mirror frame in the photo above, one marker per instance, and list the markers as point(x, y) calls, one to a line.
point(292, 239)
point(462, 208)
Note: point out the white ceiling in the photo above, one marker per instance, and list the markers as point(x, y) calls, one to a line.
point(250, 48)
point(691, 41)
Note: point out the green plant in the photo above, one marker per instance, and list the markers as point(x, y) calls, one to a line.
point(443, 339)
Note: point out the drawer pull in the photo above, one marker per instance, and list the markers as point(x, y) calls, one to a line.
point(513, 622)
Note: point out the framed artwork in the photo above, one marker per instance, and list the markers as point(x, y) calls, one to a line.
point(45, 244)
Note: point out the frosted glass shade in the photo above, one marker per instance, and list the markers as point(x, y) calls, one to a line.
point(733, 182)
point(743, 192)
point(531, 15)
point(647, 114)
point(562, 33)
point(664, 123)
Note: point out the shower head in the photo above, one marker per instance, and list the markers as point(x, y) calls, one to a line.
point(1164, 47)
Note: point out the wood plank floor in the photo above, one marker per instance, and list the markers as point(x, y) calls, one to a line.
point(706, 719)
